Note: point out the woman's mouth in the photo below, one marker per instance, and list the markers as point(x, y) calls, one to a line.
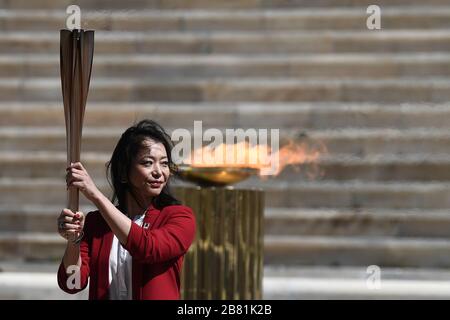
point(155, 184)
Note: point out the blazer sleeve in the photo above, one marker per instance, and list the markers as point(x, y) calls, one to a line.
point(162, 244)
point(85, 254)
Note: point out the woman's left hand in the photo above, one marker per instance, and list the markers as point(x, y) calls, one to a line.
point(78, 177)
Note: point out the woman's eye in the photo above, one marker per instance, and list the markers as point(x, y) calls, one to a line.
point(165, 163)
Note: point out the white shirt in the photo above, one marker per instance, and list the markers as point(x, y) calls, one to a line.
point(120, 268)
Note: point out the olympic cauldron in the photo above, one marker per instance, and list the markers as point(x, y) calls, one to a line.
point(226, 259)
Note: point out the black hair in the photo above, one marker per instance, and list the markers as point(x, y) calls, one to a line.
point(118, 167)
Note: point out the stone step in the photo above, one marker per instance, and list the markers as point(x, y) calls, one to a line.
point(303, 288)
point(364, 222)
point(356, 142)
point(282, 42)
point(45, 164)
point(34, 246)
point(20, 266)
point(353, 194)
point(385, 141)
point(356, 251)
point(386, 90)
point(317, 116)
point(233, 66)
point(42, 191)
point(411, 167)
point(205, 4)
point(34, 286)
point(279, 221)
point(414, 167)
point(434, 17)
point(318, 272)
point(301, 193)
point(278, 250)
point(320, 282)
point(32, 217)
point(278, 283)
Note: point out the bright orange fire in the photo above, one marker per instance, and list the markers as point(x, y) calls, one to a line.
point(296, 154)
point(260, 156)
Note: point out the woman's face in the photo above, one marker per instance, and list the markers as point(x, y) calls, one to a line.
point(149, 170)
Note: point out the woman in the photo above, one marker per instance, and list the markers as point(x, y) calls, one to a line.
point(133, 250)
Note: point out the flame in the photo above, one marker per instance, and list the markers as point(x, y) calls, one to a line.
point(261, 156)
point(296, 154)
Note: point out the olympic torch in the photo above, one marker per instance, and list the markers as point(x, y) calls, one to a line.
point(76, 55)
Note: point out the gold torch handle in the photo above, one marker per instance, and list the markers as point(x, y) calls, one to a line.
point(73, 199)
point(76, 55)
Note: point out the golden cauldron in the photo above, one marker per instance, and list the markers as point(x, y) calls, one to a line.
point(226, 259)
point(215, 176)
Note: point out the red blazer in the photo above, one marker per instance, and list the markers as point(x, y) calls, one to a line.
point(157, 254)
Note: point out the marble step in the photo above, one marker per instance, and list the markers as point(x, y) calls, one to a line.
point(365, 222)
point(278, 283)
point(354, 194)
point(34, 286)
point(34, 246)
point(278, 250)
point(356, 142)
point(252, 43)
point(279, 221)
point(316, 116)
point(383, 90)
point(364, 142)
point(205, 4)
point(301, 193)
point(302, 18)
point(356, 251)
point(20, 266)
point(40, 191)
point(322, 66)
point(414, 167)
point(354, 283)
point(32, 217)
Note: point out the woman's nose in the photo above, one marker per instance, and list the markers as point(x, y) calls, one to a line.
point(156, 172)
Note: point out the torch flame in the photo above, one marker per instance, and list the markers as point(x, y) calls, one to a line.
point(245, 155)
